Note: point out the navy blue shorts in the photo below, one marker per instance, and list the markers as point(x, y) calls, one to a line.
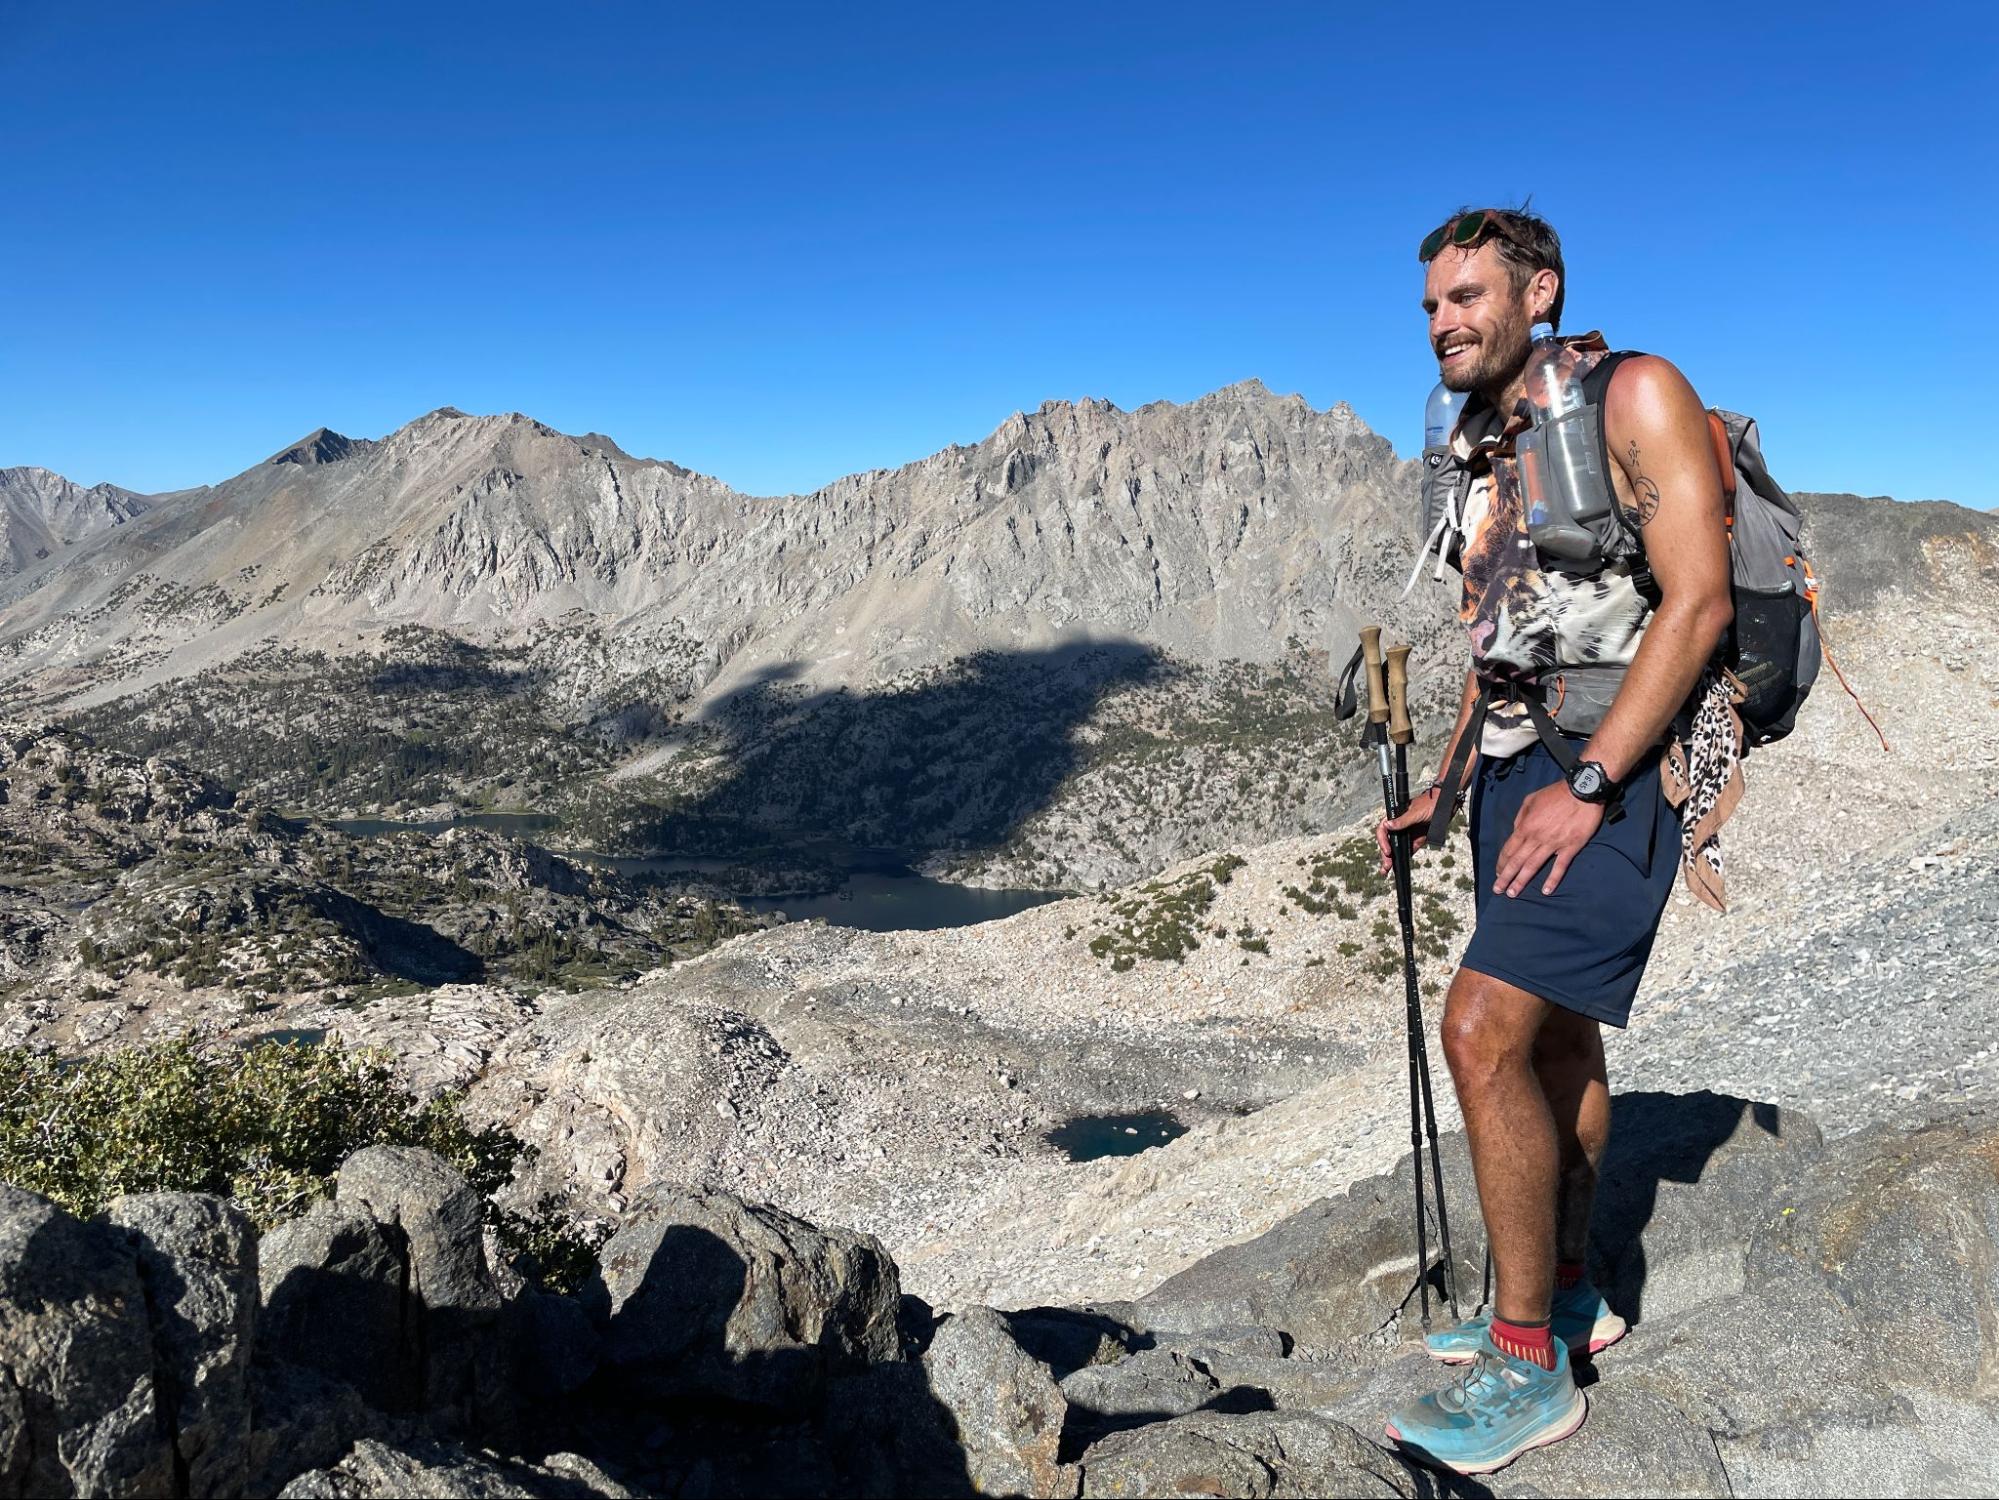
point(1584, 947)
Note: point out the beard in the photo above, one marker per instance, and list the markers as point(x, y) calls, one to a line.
point(1492, 362)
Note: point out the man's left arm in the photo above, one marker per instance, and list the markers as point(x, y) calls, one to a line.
point(1656, 429)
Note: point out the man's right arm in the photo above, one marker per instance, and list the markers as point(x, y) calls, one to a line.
point(1421, 806)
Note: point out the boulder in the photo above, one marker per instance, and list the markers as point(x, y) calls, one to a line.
point(302, 1419)
point(78, 1413)
point(886, 1433)
point(1242, 1341)
point(335, 1289)
point(1853, 1355)
point(1337, 1271)
point(441, 1218)
point(1155, 1383)
point(1007, 1410)
point(197, 1261)
point(455, 1302)
point(555, 1346)
point(1290, 1384)
point(431, 1470)
point(702, 1293)
point(1681, 1187)
point(1256, 1454)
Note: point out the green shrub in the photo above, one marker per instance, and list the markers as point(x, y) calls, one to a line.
point(267, 1126)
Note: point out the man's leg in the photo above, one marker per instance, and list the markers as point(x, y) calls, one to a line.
point(1568, 1061)
point(1520, 1392)
point(1490, 1030)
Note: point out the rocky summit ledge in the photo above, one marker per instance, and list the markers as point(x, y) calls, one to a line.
point(1808, 1317)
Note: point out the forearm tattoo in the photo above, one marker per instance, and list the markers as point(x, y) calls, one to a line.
point(1644, 493)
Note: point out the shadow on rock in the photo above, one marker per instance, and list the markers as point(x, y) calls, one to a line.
point(1650, 1261)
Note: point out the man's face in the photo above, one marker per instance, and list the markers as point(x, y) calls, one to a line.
point(1478, 322)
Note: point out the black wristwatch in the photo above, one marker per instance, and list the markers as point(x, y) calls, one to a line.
point(1589, 782)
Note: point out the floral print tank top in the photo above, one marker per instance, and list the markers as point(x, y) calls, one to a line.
point(1529, 620)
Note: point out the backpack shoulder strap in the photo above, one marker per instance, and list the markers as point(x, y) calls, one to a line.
point(1726, 431)
point(1596, 383)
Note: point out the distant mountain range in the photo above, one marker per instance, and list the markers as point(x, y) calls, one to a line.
point(1217, 528)
point(479, 609)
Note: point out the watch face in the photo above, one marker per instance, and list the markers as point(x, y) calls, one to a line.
point(1587, 782)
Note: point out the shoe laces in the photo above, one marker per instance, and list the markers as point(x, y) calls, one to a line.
point(1487, 1375)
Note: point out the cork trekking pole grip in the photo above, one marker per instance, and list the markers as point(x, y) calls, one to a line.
point(1399, 730)
point(1377, 686)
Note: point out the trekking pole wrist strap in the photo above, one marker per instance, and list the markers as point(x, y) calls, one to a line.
point(1450, 783)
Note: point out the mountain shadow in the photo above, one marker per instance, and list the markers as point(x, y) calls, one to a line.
point(959, 760)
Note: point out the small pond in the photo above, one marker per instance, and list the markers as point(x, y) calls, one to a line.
point(1089, 1137)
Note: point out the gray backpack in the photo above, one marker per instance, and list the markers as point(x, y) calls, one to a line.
point(1773, 646)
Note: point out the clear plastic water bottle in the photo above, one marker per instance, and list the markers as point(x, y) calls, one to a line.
point(1551, 383)
point(1440, 417)
point(1567, 491)
point(1441, 481)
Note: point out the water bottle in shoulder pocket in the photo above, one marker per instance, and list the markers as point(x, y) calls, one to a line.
point(1567, 493)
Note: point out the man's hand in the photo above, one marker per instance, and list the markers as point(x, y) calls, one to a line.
point(1416, 815)
point(1553, 823)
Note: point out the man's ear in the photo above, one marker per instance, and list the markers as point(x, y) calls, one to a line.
point(1542, 287)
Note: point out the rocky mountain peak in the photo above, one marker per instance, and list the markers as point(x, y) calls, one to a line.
point(320, 446)
point(43, 514)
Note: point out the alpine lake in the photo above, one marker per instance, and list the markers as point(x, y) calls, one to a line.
point(853, 885)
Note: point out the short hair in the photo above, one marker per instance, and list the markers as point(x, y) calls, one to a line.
point(1532, 246)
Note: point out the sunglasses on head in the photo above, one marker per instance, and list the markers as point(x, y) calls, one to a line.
point(1465, 231)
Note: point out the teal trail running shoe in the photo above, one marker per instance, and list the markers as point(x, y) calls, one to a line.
point(1580, 1318)
point(1494, 1412)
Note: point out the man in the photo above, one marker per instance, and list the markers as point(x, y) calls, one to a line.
point(1588, 663)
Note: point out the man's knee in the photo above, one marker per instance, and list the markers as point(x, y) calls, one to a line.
point(1485, 1027)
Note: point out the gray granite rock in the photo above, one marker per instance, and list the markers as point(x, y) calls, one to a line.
point(430, 1470)
point(555, 1346)
point(701, 1293)
point(79, 1415)
point(335, 1289)
point(440, 1216)
point(1005, 1405)
point(1258, 1454)
point(302, 1419)
point(197, 1261)
point(453, 1332)
point(1155, 1382)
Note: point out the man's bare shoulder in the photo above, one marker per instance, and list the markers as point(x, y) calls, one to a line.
point(1656, 430)
point(1648, 396)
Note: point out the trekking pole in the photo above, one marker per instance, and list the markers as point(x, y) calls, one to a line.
point(1377, 735)
point(1401, 732)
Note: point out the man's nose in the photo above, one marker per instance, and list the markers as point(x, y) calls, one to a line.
point(1444, 320)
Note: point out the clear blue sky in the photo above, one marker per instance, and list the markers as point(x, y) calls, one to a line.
point(779, 243)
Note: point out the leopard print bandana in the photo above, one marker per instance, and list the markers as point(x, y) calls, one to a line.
point(1702, 778)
